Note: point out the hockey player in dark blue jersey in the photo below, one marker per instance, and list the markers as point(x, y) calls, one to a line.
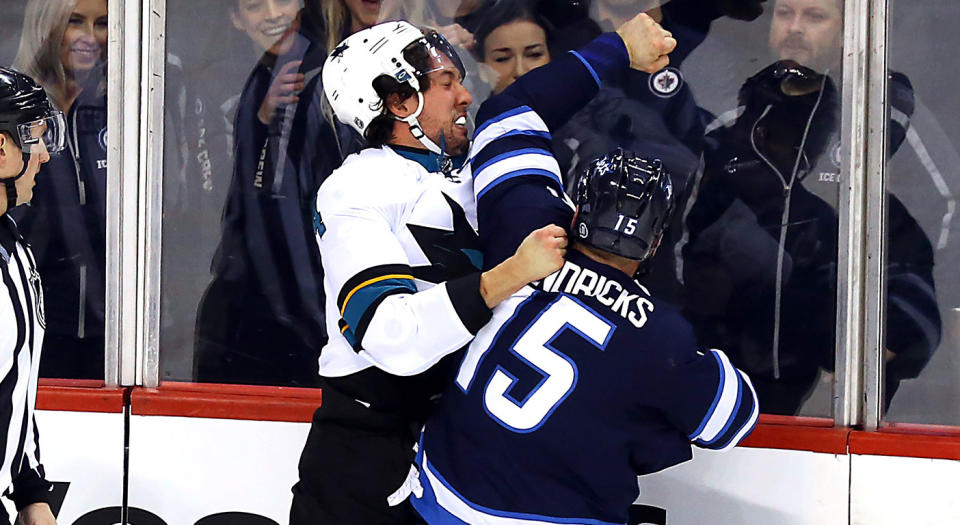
point(582, 383)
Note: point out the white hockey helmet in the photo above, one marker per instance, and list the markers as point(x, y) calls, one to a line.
point(395, 49)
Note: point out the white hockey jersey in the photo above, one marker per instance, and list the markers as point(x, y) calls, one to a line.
point(401, 263)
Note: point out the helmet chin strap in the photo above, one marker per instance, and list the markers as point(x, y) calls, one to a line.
point(11, 184)
point(417, 131)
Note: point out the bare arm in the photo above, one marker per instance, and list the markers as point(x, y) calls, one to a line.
point(540, 254)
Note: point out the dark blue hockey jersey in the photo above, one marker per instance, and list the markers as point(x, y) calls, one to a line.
point(517, 180)
point(569, 393)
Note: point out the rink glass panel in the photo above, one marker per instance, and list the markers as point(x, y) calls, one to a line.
point(773, 130)
point(236, 302)
point(66, 221)
point(225, 299)
point(922, 174)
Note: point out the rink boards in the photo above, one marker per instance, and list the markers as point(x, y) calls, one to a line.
point(210, 471)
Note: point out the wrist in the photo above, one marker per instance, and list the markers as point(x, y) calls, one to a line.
point(502, 281)
point(607, 56)
point(263, 116)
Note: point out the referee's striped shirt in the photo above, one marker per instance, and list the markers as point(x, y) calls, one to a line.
point(21, 335)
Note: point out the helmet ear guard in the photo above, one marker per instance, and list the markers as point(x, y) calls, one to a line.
point(624, 203)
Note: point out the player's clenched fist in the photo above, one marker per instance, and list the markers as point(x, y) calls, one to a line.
point(647, 43)
point(538, 256)
point(542, 252)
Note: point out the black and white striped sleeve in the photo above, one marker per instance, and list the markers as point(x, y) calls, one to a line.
point(21, 337)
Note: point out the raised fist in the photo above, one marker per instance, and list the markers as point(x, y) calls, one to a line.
point(648, 44)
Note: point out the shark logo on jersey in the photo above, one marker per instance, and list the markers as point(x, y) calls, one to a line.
point(451, 253)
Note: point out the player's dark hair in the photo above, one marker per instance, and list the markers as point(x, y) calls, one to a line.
point(507, 12)
point(380, 130)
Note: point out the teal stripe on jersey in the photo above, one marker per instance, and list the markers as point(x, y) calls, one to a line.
point(363, 298)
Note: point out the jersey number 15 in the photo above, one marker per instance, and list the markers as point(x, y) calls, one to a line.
point(534, 348)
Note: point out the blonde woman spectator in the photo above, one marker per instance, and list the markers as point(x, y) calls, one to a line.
point(345, 17)
point(62, 43)
point(63, 46)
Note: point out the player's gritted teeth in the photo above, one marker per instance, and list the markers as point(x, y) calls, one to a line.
point(460, 124)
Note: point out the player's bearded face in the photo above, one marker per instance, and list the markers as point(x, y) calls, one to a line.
point(445, 110)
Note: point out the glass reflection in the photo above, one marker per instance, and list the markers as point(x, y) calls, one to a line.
point(754, 258)
point(261, 318)
point(63, 46)
point(921, 174)
point(760, 264)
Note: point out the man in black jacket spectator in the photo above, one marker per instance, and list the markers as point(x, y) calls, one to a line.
point(760, 260)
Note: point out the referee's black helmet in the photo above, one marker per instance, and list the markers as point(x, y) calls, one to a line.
point(624, 203)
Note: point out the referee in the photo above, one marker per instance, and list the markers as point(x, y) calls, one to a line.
point(30, 129)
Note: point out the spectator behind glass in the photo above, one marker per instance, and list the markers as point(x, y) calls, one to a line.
point(199, 148)
point(261, 320)
point(513, 39)
point(263, 23)
point(63, 46)
point(345, 17)
point(761, 263)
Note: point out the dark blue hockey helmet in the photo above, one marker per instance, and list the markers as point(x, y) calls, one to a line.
point(624, 203)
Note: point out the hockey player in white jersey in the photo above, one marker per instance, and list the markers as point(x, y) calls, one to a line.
point(581, 383)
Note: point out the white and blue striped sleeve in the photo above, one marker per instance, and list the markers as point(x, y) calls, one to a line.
point(733, 411)
point(517, 184)
point(513, 128)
